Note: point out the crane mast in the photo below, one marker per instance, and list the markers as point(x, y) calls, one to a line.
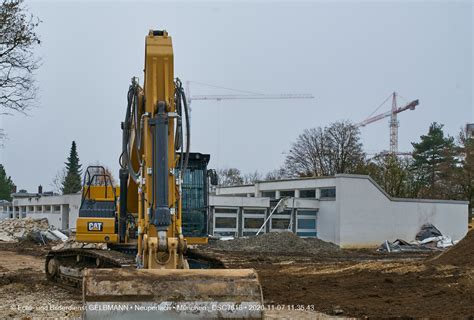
point(394, 124)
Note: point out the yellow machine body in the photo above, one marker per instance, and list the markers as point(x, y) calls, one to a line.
point(96, 230)
point(164, 281)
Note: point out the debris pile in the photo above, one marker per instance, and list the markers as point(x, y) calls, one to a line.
point(71, 243)
point(36, 230)
point(461, 255)
point(427, 239)
point(14, 230)
point(276, 242)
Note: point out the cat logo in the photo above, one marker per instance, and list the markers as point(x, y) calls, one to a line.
point(94, 226)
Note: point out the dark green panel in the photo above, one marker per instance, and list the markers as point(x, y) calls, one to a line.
point(195, 196)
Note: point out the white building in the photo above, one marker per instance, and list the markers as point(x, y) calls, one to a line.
point(349, 210)
point(61, 210)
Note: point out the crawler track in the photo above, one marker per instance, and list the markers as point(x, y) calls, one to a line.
point(66, 266)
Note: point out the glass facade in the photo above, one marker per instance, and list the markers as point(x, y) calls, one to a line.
point(328, 193)
point(269, 194)
point(287, 193)
point(195, 196)
point(308, 194)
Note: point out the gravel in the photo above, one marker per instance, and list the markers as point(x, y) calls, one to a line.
point(276, 242)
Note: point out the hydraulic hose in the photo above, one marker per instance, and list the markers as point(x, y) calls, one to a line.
point(131, 117)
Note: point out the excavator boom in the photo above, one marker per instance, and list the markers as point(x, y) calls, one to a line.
point(155, 150)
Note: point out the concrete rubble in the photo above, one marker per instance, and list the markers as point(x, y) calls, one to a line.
point(37, 230)
point(71, 243)
point(429, 238)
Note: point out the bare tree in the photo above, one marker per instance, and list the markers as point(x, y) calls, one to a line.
point(58, 181)
point(229, 177)
point(100, 180)
point(276, 174)
point(326, 151)
point(252, 177)
point(17, 61)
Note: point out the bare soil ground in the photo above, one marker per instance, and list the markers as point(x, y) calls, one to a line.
point(338, 283)
point(364, 283)
point(25, 293)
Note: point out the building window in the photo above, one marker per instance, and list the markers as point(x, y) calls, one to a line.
point(309, 234)
point(280, 223)
point(226, 223)
point(254, 211)
point(225, 210)
point(328, 193)
point(253, 223)
point(306, 223)
point(287, 193)
point(224, 233)
point(253, 220)
point(39, 208)
point(302, 212)
point(269, 194)
point(56, 208)
point(308, 194)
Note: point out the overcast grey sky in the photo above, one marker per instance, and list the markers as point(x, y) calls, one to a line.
point(349, 55)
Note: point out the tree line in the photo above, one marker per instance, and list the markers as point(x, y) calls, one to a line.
point(439, 166)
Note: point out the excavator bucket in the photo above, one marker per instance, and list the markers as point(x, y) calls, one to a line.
point(172, 294)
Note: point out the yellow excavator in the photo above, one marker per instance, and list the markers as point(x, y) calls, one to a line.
point(144, 273)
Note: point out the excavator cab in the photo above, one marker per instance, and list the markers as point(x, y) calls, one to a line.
point(98, 217)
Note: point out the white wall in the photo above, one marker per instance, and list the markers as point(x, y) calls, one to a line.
point(328, 221)
point(71, 201)
point(229, 201)
point(368, 216)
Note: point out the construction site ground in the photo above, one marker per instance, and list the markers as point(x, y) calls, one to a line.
point(336, 283)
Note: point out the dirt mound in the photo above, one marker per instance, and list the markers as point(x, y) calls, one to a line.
point(276, 242)
point(462, 254)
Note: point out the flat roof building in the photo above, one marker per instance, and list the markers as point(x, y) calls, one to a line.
point(349, 210)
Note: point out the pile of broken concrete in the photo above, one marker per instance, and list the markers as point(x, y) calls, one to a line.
point(37, 230)
point(429, 238)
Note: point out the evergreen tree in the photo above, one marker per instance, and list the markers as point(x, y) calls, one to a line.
point(72, 181)
point(463, 177)
point(6, 185)
point(433, 162)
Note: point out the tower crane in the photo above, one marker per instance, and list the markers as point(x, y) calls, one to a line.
point(242, 95)
point(394, 124)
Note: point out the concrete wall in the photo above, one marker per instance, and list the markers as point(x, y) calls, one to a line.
point(328, 221)
point(280, 185)
point(362, 214)
point(61, 211)
point(229, 201)
point(368, 216)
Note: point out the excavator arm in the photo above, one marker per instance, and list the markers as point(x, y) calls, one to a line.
point(153, 160)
